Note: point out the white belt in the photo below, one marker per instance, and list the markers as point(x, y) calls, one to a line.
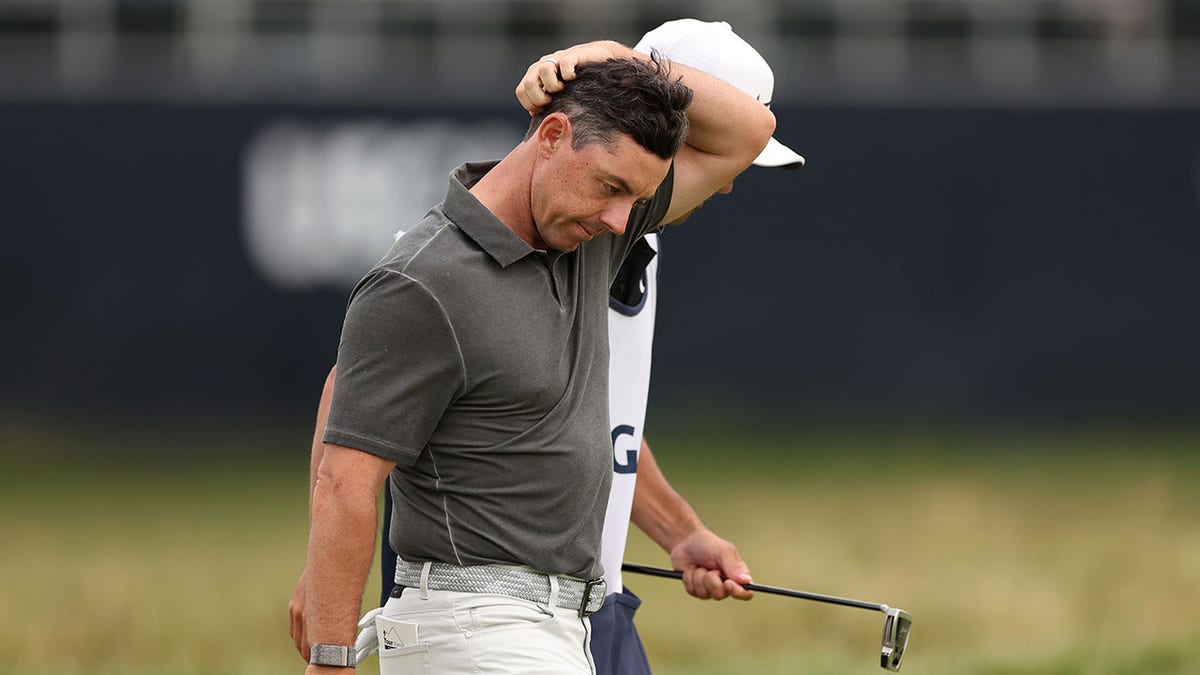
point(585, 596)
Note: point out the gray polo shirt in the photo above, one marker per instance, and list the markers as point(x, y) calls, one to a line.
point(480, 365)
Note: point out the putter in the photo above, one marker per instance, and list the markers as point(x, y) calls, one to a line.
point(897, 623)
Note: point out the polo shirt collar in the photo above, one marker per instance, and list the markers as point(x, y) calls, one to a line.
point(481, 225)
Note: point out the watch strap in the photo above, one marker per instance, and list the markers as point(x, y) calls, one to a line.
point(333, 655)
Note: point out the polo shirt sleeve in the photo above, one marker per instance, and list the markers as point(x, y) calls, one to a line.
point(398, 368)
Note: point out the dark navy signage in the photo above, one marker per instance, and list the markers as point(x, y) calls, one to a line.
point(1045, 303)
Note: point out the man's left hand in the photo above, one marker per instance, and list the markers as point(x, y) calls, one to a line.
point(547, 75)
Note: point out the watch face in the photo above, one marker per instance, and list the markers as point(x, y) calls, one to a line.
point(332, 655)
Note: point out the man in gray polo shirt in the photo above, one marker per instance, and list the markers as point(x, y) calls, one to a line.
point(473, 369)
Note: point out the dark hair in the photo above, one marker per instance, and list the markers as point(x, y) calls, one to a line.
point(628, 96)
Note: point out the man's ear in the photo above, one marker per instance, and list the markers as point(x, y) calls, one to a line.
point(553, 133)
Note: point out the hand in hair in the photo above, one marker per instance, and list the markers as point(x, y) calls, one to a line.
point(547, 74)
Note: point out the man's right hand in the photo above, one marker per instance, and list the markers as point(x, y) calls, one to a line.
point(712, 567)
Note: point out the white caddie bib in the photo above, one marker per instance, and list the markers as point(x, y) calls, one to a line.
point(630, 338)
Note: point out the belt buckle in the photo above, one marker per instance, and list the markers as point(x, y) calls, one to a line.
point(587, 594)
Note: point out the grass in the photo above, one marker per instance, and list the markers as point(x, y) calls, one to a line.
point(1015, 553)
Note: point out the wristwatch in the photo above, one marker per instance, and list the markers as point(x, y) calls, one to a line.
point(342, 656)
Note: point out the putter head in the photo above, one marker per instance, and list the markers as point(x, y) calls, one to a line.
point(896, 626)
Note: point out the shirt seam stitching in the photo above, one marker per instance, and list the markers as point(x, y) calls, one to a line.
point(462, 362)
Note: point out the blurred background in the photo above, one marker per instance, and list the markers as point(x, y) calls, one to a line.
point(968, 330)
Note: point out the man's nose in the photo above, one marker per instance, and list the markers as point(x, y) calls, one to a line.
point(615, 218)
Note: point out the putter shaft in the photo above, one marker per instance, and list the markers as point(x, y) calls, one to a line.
point(818, 597)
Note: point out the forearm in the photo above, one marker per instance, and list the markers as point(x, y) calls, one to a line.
point(658, 510)
point(341, 542)
point(723, 120)
point(712, 567)
point(297, 606)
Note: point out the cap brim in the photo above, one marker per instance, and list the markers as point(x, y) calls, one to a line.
point(778, 155)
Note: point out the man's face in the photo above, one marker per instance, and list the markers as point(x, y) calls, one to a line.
point(581, 194)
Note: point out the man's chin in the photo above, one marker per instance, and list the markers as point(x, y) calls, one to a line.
point(564, 245)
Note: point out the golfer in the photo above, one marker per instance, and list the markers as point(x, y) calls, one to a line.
point(473, 370)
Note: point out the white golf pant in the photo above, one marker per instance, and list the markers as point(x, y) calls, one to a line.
point(484, 633)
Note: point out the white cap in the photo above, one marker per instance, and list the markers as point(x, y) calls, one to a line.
point(713, 48)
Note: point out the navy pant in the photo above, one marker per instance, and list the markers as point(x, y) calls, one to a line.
point(616, 647)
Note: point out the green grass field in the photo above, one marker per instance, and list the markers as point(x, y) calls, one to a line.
point(1015, 553)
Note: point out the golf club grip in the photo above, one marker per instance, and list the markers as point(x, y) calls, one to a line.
point(817, 597)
